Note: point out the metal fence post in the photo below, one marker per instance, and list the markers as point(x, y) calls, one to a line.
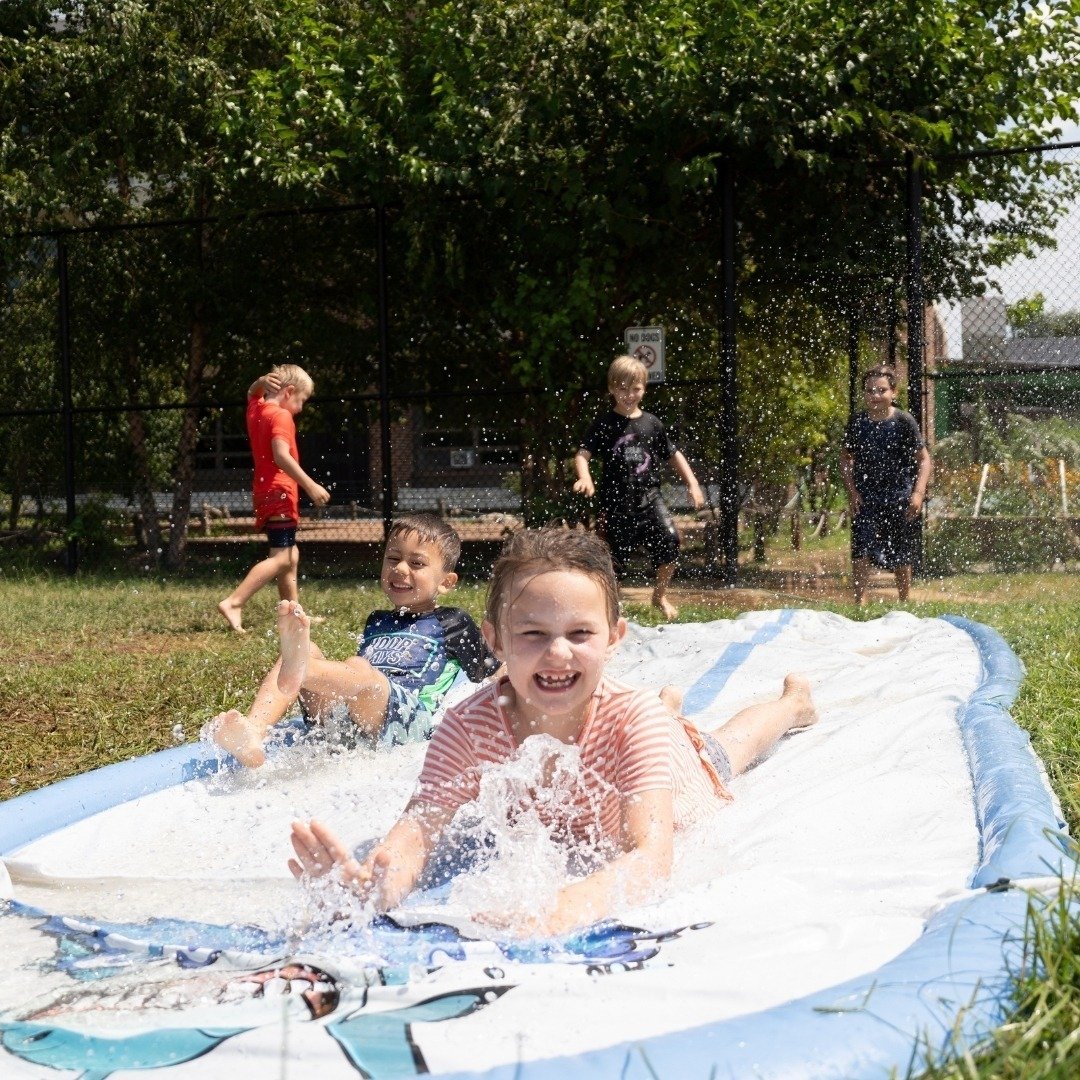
point(914, 284)
point(71, 556)
point(915, 306)
point(853, 362)
point(384, 373)
point(729, 414)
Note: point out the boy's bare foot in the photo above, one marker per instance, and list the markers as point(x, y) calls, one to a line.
point(797, 688)
point(231, 612)
point(665, 606)
point(233, 731)
point(294, 630)
point(672, 697)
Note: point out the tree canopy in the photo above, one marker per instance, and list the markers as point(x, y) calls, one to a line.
point(1030, 318)
point(552, 169)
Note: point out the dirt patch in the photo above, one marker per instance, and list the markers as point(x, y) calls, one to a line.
point(158, 644)
point(805, 579)
point(360, 531)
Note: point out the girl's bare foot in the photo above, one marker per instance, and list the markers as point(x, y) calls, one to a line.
point(232, 731)
point(797, 689)
point(294, 630)
point(665, 606)
point(231, 613)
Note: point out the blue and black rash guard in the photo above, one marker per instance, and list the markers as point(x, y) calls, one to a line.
point(426, 652)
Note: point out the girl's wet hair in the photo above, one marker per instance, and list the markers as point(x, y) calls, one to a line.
point(294, 375)
point(540, 551)
point(879, 372)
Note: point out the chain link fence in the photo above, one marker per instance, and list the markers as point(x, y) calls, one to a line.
point(126, 353)
point(1004, 400)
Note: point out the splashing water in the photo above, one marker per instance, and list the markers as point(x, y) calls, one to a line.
point(517, 821)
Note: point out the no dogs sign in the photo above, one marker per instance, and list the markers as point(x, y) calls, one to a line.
point(647, 344)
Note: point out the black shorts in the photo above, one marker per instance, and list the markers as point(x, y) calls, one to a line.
point(281, 534)
point(650, 528)
point(884, 536)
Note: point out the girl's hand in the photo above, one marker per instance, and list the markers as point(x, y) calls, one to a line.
point(519, 924)
point(320, 853)
point(696, 497)
point(510, 923)
point(585, 487)
point(913, 507)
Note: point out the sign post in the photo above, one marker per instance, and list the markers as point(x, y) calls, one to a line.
point(647, 344)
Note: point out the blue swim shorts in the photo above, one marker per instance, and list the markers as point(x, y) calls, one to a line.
point(281, 534)
point(407, 718)
point(882, 534)
point(718, 758)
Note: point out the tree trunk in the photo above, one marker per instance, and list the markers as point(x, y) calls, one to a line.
point(16, 503)
point(144, 481)
point(189, 436)
point(189, 429)
point(136, 422)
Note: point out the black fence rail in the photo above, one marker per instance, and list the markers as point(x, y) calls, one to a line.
point(125, 353)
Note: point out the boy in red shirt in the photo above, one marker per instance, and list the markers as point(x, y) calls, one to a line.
point(273, 401)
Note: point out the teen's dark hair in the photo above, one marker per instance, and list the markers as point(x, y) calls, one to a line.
point(879, 372)
point(432, 530)
point(539, 551)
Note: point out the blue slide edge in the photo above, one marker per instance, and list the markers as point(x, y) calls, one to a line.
point(942, 995)
point(1021, 834)
point(29, 817)
point(946, 992)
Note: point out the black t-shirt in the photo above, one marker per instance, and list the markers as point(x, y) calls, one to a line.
point(633, 453)
point(886, 457)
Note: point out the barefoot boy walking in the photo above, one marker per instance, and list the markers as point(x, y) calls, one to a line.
point(886, 468)
point(633, 445)
point(408, 658)
point(274, 400)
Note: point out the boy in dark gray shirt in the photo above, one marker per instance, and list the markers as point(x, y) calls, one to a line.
point(886, 468)
point(633, 448)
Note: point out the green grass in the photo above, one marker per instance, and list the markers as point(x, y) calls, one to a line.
point(99, 669)
point(105, 667)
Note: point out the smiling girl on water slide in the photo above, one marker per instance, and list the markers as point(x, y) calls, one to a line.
point(553, 618)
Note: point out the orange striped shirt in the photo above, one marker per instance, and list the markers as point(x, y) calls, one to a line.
point(629, 743)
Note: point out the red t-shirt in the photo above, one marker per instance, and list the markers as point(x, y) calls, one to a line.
point(275, 494)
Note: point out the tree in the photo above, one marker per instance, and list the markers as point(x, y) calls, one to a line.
point(555, 164)
point(1030, 319)
point(117, 112)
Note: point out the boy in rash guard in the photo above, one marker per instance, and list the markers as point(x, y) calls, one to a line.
point(408, 658)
